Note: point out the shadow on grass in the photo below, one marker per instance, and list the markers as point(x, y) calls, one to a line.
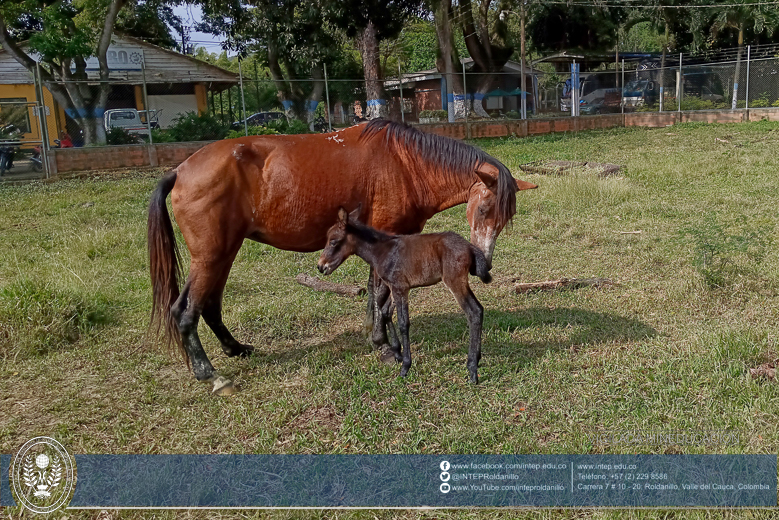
point(582, 327)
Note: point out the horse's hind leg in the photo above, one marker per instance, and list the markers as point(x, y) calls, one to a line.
point(475, 314)
point(187, 311)
point(212, 314)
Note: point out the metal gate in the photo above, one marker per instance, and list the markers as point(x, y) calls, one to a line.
point(23, 154)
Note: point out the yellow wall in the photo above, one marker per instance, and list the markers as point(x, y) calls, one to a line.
point(55, 115)
point(139, 98)
point(202, 98)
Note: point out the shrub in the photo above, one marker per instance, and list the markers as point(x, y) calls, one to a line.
point(253, 130)
point(159, 135)
point(718, 255)
point(284, 126)
point(761, 101)
point(119, 135)
point(194, 127)
point(433, 114)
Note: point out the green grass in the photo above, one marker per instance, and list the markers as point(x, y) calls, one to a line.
point(668, 349)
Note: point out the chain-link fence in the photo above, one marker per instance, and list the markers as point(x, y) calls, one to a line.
point(143, 109)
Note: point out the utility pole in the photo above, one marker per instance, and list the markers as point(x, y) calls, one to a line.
point(522, 52)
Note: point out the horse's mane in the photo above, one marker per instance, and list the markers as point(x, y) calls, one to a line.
point(450, 157)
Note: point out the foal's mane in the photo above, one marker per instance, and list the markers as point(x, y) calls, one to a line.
point(453, 159)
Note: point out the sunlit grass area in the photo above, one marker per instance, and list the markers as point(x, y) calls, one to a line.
point(687, 231)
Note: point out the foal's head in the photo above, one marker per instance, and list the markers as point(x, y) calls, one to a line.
point(340, 242)
point(487, 213)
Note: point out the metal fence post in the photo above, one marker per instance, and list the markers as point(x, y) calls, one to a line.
point(680, 83)
point(622, 95)
point(400, 85)
point(152, 156)
point(243, 100)
point(257, 85)
point(465, 98)
point(327, 99)
point(42, 121)
point(749, 55)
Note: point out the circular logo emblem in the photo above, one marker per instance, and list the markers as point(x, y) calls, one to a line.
point(42, 475)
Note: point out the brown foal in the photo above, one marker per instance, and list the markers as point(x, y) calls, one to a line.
point(403, 262)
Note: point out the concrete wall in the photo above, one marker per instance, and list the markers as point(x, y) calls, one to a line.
point(173, 154)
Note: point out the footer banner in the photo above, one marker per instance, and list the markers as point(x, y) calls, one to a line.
point(408, 481)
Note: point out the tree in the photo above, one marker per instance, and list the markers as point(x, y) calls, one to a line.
point(288, 37)
point(487, 44)
point(448, 58)
point(64, 35)
point(741, 15)
point(150, 21)
point(369, 22)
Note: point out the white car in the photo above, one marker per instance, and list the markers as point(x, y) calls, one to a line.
point(130, 119)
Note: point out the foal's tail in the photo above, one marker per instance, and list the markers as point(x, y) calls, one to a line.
point(164, 265)
point(479, 265)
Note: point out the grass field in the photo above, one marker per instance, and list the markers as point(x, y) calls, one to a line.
point(688, 230)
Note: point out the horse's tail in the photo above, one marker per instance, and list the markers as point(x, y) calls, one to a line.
point(164, 265)
point(479, 265)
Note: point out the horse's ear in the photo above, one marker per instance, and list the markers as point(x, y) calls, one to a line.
point(343, 216)
point(523, 185)
point(488, 174)
point(355, 214)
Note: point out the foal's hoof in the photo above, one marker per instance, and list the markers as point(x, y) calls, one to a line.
point(239, 350)
point(387, 356)
point(223, 386)
point(474, 378)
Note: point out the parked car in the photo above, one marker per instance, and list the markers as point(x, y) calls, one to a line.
point(601, 101)
point(130, 119)
point(258, 119)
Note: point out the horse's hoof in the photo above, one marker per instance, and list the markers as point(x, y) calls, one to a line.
point(387, 356)
point(240, 350)
point(223, 386)
point(474, 379)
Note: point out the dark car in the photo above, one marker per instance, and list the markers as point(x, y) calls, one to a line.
point(259, 119)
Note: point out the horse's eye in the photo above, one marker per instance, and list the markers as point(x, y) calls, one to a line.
point(333, 243)
point(482, 211)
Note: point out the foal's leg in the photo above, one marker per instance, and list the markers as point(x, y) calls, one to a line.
point(387, 310)
point(212, 314)
point(400, 297)
point(369, 320)
point(475, 314)
point(380, 295)
point(385, 306)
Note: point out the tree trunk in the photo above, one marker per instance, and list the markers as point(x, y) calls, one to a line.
point(447, 54)
point(737, 73)
point(368, 44)
point(317, 73)
point(282, 88)
point(488, 59)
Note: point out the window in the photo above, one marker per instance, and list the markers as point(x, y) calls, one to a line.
point(16, 112)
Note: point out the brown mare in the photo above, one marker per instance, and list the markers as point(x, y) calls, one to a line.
point(285, 191)
point(403, 262)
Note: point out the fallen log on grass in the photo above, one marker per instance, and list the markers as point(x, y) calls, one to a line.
point(563, 283)
point(337, 288)
point(563, 167)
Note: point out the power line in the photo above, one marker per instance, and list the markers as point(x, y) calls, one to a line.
point(633, 6)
